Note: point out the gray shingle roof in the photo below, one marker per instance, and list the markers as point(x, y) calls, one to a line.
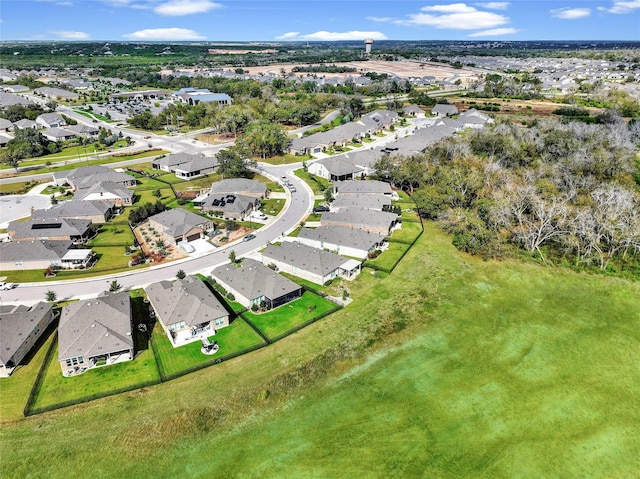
point(73, 209)
point(372, 201)
point(16, 324)
point(103, 188)
point(254, 280)
point(36, 250)
point(187, 300)
point(39, 228)
point(228, 203)
point(178, 221)
point(238, 185)
point(304, 257)
point(362, 187)
point(96, 326)
point(86, 176)
point(25, 123)
point(360, 218)
point(342, 236)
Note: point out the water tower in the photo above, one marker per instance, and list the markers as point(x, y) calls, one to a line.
point(367, 45)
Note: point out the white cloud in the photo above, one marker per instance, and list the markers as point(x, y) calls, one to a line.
point(457, 16)
point(495, 32)
point(452, 8)
point(352, 35)
point(178, 8)
point(622, 7)
point(69, 35)
point(494, 5)
point(165, 34)
point(288, 36)
point(570, 13)
point(381, 19)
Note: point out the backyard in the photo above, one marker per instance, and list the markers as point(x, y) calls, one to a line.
point(286, 317)
point(235, 337)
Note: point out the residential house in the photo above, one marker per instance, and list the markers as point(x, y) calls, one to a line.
point(84, 130)
point(177, 225)
point(4, 140)
point(186, 165)
point(95, 211)
point(78, 231)
point(95, 332)
point(452, 123)
point(313, 264)
point(373, 201)
point(15, 88)
point(87, 176)
point(473, 118)
point(25, 123)
point(56, 93)
point(5, 126)
point(335, 168)
point(380, 222)
point(187, 310)
point(444, 110)
point(369, 187)
point(227, 206)
point(20, 328)
point(106, 192)
point(414, 111)
point(51, 120)
point(240, 186)
point(344, 241)
point(58, 134)
point(253, 283)
point(9, 99)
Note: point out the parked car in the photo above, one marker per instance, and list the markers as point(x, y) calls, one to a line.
point(321, 209)
point(292, 188)
point(249, 237)
point(258, 215)
point(6, 286)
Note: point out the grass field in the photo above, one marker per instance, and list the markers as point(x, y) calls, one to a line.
point(408, 232)
point(290, 315)
point(457, 368)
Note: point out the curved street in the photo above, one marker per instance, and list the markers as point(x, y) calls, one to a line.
point(298, 206)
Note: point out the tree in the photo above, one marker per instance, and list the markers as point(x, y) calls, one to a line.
point(232, 256)
point(263, 139)
point(50, 296)
point(232, 165)
point(328, 195)
point(181, 274)
point(114, 286)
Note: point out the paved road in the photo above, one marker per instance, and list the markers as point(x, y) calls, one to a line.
point(297, 208)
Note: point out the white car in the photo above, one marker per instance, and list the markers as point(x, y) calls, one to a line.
point(258, 215)
point(6, 286)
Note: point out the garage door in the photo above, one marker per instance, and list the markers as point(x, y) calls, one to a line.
point(193, 237)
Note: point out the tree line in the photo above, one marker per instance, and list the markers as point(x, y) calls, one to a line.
point(562, 192)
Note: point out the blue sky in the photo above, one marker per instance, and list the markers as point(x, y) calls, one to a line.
point(309, 20)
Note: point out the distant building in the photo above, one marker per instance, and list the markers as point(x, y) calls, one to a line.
point(193, 96)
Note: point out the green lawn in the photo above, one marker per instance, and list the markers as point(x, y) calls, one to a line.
point(285, 159)
point(19, 188)
point(408, 232)
point(15, 390)
point(55, 388)
point(290, 315)
point(273, 206)
point(466, 368)
point(112, 234)
point(387, 258)
point(239, 335)
point(316, 183)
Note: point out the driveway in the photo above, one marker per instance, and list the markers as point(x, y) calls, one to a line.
point(13, 207)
